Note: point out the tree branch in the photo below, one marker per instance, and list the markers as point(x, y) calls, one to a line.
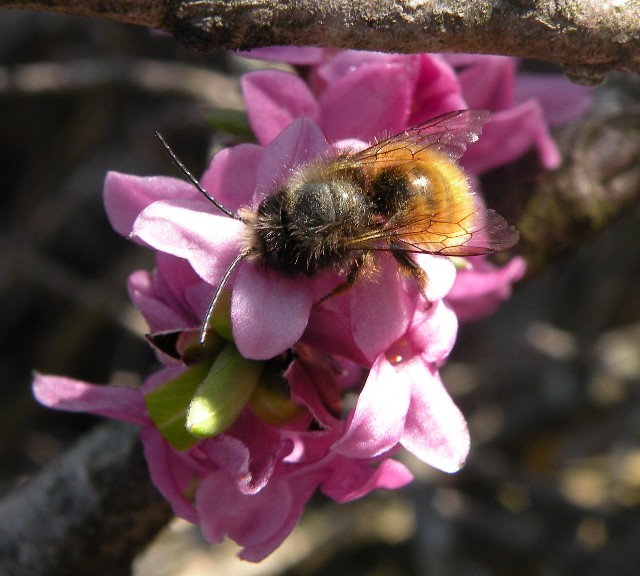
point(586, 37)
point(597, 185)
point(89, 513)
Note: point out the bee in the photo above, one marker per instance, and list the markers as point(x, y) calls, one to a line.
point(405, 195)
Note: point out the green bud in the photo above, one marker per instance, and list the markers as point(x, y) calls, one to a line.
point(168, 405)
point(220, 320)
point(271, 400)
point(460, 262)
point(223, 393)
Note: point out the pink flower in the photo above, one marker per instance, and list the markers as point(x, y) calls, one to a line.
point(269, 311)
point(250, 483)
point(417, 87)
point(376, 93)
point(251, 479)
point(521, 108)
point(362, 326)
point(404, 402)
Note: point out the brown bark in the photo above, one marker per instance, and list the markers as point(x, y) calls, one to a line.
point(597, 184)
point(91, 512)
point(586, 37)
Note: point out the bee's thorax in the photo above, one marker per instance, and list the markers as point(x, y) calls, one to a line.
point(307, 226)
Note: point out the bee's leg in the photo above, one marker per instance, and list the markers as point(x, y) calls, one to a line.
point(409, 265)
point(352, 275)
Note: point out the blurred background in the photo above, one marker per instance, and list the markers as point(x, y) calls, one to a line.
point(550, 385)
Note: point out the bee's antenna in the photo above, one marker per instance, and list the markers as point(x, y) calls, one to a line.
point(192, 179)
point(207, 317)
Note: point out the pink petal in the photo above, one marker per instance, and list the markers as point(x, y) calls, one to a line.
point(178, 284)
point(367, 103)
point(305, 392)
point(230, 455)
point(341, 63)
point(298, 144)
point(119, 402)
point(301, 490)
point(291, 54)
point(379, 418)
point(259, 522)
point(352, 479)
point(160, 316)
point(248, 452)
point(125, 196)
point(510, 134)
point(269, 311)
point(330, 330)
point(231, 176)
point(561, 100)
point(485, 277)
point(437, 90)
point(380, 309)
point(273, 100)
point(181, 227)
point(479, 291)
point(170, 472)
point(436, 431)
point(171, 299)
point(488, 83)
point(434, 332)
point(441, 274)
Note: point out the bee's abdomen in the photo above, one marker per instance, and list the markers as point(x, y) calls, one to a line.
point(391, 191)
point(430, 184)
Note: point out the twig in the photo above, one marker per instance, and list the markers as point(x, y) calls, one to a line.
point(587, 37)
point(89, 513)
point(154, 76)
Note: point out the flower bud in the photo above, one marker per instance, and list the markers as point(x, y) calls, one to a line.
point(223, 393)
point(271, 400)
point(168, 404)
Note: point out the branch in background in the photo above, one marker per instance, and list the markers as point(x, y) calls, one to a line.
point(89, 513)
point(211, 88)
point(587, 38)
point(597, 185)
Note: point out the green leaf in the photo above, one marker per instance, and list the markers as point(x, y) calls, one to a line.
point(223, 393)
point(168, 405)
point(231, 121)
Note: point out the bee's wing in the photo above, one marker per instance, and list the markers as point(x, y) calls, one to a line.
point(454, 230)
point(447, 233)
point(448, 133)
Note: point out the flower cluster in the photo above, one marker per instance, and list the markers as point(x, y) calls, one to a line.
point(272, 386)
